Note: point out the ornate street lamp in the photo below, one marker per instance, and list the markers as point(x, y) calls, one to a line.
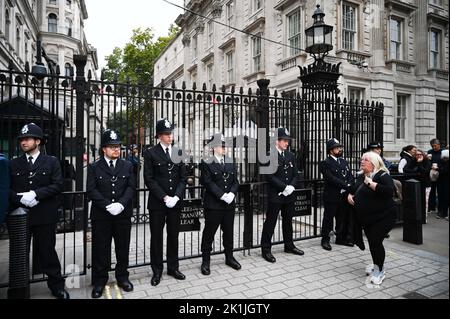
point(319, 36)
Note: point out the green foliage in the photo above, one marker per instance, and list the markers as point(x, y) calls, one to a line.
point(137, 59)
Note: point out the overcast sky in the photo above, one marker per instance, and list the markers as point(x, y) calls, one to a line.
point(111, 22)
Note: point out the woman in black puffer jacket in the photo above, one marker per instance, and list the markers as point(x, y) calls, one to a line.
point(372, 197)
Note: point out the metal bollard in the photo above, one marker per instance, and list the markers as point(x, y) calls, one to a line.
point(412, 215)
point(19, 264)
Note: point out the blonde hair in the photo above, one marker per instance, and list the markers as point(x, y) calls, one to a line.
point(377, 162)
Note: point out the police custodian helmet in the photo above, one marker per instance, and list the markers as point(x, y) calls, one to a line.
point(32, 130)
point(333, 143)
point(283, 134)
point(374, 145)
point(110, 137)
point(217, 140)
point(164, 126)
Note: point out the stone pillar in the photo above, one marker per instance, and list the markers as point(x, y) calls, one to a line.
point(421, 37)
point(376, 11)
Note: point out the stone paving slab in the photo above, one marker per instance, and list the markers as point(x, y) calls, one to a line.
point(319, 274)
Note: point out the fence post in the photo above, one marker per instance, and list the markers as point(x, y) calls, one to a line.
point(81, 88)
point(263, 117)
point(245, 190)
point(412, 218)
point(19, 258)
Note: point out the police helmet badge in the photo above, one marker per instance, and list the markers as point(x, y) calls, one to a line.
point(25, 129)
point(167, 124)
point(286, 131)
point(113, 136)
point(336, 141)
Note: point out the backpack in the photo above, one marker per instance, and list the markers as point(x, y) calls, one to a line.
point(398, 194)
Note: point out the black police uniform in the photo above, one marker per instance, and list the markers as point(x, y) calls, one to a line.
point(286, 174)
point(105, 186)
point(164, 176)
point(338, 181)
point(218, 178)
point(44, 177)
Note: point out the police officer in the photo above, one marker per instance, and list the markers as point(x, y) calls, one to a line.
point(338, 181)
point(165, 177)
point(110, 187)
point(219, 177)
point(280, 194)
point(377, 147)
point(4, 186)
point(36, 184)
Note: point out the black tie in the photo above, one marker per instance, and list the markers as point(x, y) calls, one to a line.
point(30, 162)
point(282, 154)
point(168, 154)
point(111, 165)
point(222, 163)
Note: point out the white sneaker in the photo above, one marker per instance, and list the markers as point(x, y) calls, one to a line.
point(377, 276)
point(369, 269)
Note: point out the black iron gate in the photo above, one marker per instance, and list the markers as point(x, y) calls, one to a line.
point(74, 111)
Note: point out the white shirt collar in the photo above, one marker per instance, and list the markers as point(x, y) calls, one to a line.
point(107, 159)
point(219, 158)
point(35, 156)
point(279, 151)
point(334, 157)
point(164, 148)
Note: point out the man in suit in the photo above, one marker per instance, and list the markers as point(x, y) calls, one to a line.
point(280, 196)
point(110, 187)
point(219, 177)
point(165, 178)
point(36, 184)
point(338, 181)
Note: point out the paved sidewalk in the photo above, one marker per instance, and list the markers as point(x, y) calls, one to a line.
point(411, 273)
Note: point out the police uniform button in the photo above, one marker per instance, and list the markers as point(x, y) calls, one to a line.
point(123, 176)
point(43, 173)
point(30, 173)
point(171, 188)
point(31, 182)
point(226, 187)
point(113, 192)
point(170, 180)
point(101, 177)
point(19, 174)
point(113, 185)
point(170, 172)
point(113, 200)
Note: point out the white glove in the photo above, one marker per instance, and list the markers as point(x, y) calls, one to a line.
point(115, 208)
point(28, 198)
point(231, 198)
point(224, 198)
point(33, 203)
point(290, 189)
point(172, 201)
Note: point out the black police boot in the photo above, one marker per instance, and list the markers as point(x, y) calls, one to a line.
point(232, 262)
point(206, 258)
point(326, 244)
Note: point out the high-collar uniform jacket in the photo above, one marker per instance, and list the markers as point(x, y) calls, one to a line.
point(338, 177)
point(45, 179)
point(106, 186)
point(218, 180)
point(163, 177)
point(286, 174)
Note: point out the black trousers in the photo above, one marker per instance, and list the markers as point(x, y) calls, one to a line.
point(344, 221)
point(158, 218)
point(376, 233)
point(432, 197)
point(103, 232)
point(214, 219)
point(44, 241)
point(287, 212)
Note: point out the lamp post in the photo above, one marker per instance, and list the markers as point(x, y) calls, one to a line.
point(319, 92)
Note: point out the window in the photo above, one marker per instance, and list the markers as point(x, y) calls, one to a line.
point(18, 40)
point(355, 94)
point(257, 4)
point(69, 27)
point(194, 47)
point(396, 39)
point(7, 24)
point(434, 49)
point(67, 69)
point(436, 3)
point(401, 116)
point(230, 67)
point(210, 74)
point(52, 1)
point(210, 33)
point(52, 23)
point(230, 13)
point(256, 50)
point(294, 32)
point(349, 27)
